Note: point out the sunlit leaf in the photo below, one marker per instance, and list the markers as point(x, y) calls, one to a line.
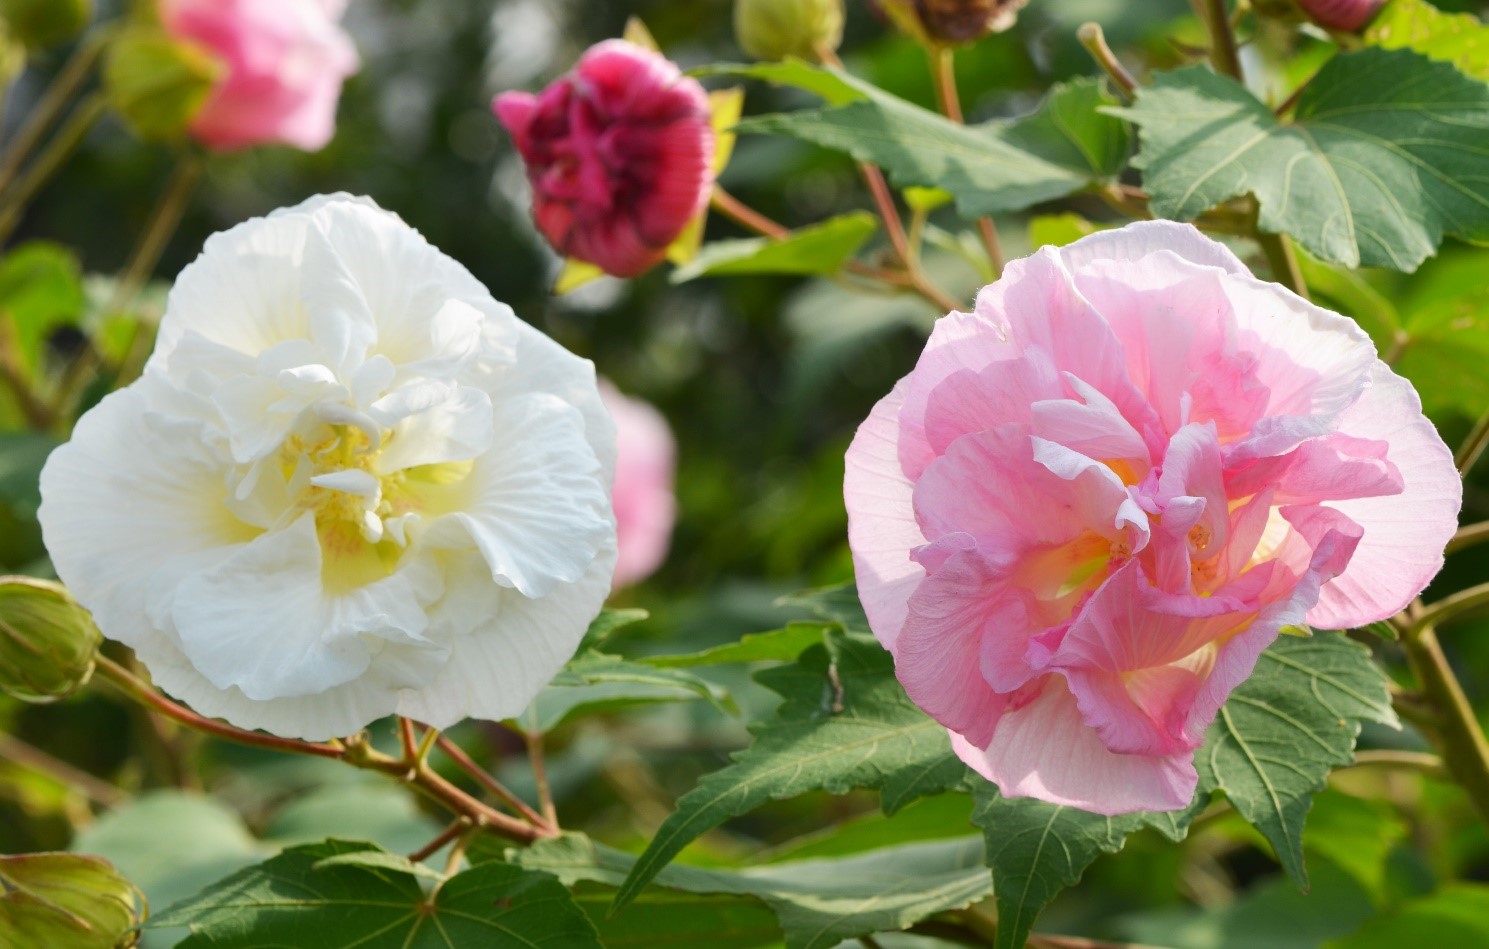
point(1065, 146)
point(1457, 38)
point(819, 249)
point(1384, 158)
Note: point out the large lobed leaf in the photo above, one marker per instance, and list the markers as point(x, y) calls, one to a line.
point(819, 903)
point(1063, 147)
point(1385, 155)
point(1276, 739)
point(845, 723)
point(339, 894)
point(1037, 849)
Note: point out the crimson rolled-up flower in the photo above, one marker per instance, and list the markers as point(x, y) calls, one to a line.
point(619, 153)
point(1348, 15)
point(1102, 493)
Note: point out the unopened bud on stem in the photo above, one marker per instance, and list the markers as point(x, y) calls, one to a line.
point(966, 21)
point(1345, 15)
point(47, 641)
point(775, 29)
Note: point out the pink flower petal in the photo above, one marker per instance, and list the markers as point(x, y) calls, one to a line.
point(1404, 534)
point(1043, 749)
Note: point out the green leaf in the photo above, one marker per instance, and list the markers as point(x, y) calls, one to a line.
point(819, 903)
point(169, 843)
point(607, 623)
point(837, 604)
point(595, 682)
point(781, 645)
point(819, 249)
point(41, 289)
point(1356, 835)
point(1057, 230)
point(1270, 915)
point(929, 818)
point(665, 917)
point(1385, 156)
point(306, 898)
point(1457, 915)
point(374, 810)
point(1457, 38)
point(65, 900)
point(835, 88)
point(1283, 729)
point(1064, 147)
point(1037, 849)
point(1447, 343)
point(845, 723)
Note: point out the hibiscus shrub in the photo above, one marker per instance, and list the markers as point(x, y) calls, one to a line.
point(1063, 461)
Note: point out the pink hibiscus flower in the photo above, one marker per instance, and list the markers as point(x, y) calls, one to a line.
point(284, 62)
point(645, 507)
point(619, 153)
point(1100, 495)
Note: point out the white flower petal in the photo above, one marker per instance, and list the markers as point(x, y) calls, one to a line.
point(534, 506)
point(496, 671)
point(458, 428)
point(131, 505)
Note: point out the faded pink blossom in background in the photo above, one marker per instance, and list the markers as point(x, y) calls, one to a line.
point(645, 465)
point(619, 153)
point(1099, 496)
point(284, 62)
point(1341, 14)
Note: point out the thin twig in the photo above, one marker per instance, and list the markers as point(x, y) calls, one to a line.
point(95, 789)
point(1458, 734)
point(53, 102)
point(943, 71)
point(1223, 52)
point(1421, 761)
point(457, 827)
point(894, 225)
point(751, 219)
point(1469, 536)
point(1473, 447)
point(1451, 607)
point(356, 752)
point(15, 198)
point(540, 778)
point(489, 781)
point(746, 216)
point(407, 740)
point(165, 217)
point(127, 682)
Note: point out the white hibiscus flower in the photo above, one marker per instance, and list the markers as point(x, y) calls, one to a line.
point(349, 483)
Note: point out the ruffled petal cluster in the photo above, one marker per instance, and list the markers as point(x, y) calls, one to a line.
point(645, 468)
point(1101, 494)
point(348, 484)
point(284, 62)
point(619, 153)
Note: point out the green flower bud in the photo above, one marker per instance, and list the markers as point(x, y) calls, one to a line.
point(43, 23)
point(156, 83)
point(775, 29)
point(66, 899)
point(47, 641)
